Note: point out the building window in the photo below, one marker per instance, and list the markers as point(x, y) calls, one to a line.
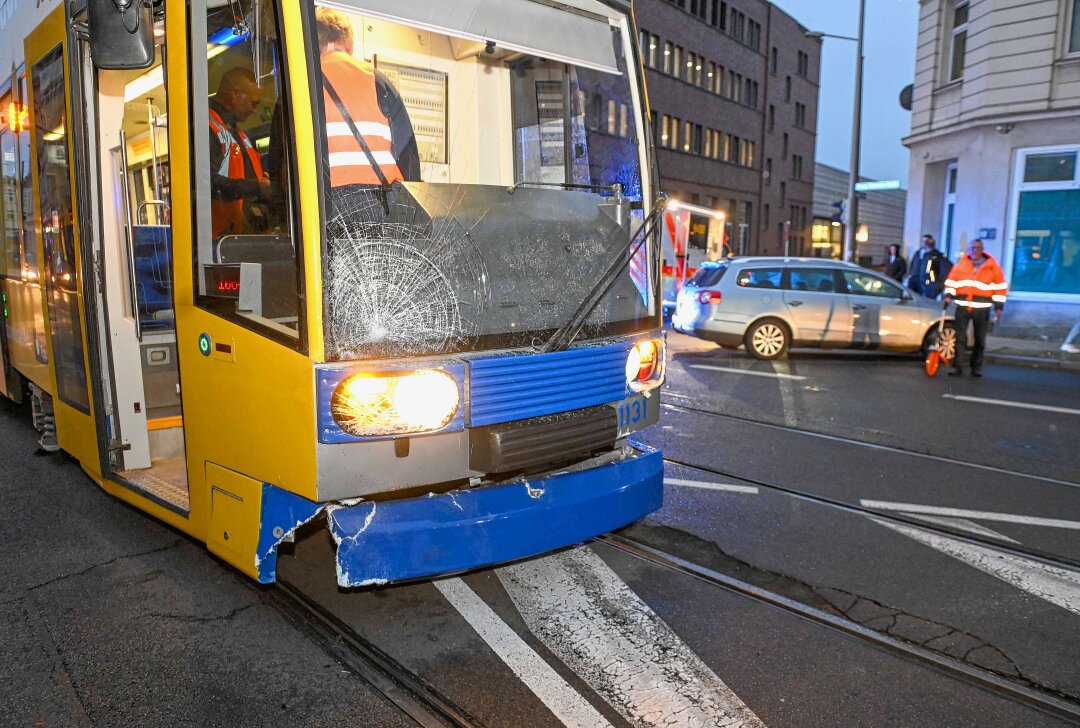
point(783, 194)
point(669, 52)
point(768, 171)
point(804, 64)
point(765, 217)
point(718, 81)
point(958, 43)
point(796, 166)
point(1045, 256)
point(784, 147)
point(696, 144)
point(688, 136)
point(773, 59)
point(677, 62)
point(948, 210)
point(787, 88)
point(772, 117)
point(800, 115)
point(1074, 29)
point(727, 148)
point(650, 45)
point(720, 16)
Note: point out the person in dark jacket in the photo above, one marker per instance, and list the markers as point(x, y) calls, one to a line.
point(895, 265)
point(928, 269)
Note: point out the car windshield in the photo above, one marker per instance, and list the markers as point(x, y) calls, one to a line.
point(708, 275)
point(476, 192)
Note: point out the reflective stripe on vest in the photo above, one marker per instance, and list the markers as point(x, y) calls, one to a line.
point(980, 287)
point(354, 81)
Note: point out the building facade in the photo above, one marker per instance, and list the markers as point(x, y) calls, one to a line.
point(881, 212)
point(995, 142)
point(733, 92)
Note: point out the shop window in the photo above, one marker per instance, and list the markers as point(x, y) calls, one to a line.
point(1046, 251)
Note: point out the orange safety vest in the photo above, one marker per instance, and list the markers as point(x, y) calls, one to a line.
point(980, 287)
point(354, 82)
point(228, 216)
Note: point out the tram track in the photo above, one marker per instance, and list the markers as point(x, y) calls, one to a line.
point(1057, 704)
point(688, 408)
point(403, 688)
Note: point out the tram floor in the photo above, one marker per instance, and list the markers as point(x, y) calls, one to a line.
point(166, 478)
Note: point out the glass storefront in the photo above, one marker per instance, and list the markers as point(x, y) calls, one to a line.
point(1046, 249)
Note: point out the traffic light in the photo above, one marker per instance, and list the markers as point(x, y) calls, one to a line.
point(838, 216)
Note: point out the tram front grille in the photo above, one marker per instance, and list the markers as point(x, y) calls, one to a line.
point(549, 440)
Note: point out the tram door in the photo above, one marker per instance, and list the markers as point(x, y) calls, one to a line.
point(125, 114)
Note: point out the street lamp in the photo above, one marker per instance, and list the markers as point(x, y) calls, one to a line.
point(852, 205)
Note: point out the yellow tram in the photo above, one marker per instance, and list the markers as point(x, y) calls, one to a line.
point(391, 264)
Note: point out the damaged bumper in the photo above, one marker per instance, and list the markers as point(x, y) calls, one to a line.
point(436, 534)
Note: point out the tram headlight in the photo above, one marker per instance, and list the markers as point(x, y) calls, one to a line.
point(644, 363)
point(377, 404)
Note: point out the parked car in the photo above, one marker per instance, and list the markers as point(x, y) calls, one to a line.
point(771, 304)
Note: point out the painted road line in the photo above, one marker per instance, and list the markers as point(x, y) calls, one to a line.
point(1010, 403)
point(1054, 584)
point(727, 487)
point(562, 700)
point(609, 637)
point(751, 372)
point(787, 391)
point(962, 524)
point(977, 515)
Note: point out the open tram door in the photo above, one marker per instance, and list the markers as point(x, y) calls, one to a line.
point(690, 235)
point(120, 175)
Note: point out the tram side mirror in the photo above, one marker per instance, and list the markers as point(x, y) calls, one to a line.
point(121, 34)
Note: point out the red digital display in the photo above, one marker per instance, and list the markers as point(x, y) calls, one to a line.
point(223, 281)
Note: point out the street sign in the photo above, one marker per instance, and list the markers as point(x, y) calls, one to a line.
point(877, 185)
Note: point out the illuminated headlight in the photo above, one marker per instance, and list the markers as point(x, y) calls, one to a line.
point(394, 403)
point(644, 363)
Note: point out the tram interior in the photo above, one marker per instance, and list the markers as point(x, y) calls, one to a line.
point(133, 114)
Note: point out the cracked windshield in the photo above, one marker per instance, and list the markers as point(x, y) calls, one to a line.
point(540, 363)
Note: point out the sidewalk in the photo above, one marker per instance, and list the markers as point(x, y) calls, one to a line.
point(1008, 348)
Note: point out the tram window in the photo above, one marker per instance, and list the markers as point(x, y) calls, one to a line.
point(26, 190)
point(57, 228)
point(248, 264)
point(9, 209)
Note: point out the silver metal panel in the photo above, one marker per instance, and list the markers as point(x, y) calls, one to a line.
point(364, 468)
point(520, 25)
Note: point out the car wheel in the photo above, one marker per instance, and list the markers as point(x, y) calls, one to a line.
point(767, 339)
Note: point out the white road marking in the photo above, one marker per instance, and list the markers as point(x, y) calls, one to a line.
point(1010, 403)
point(787, 391)
point(977, 515)
point(962, 524)
point(610, 638)
point(729, 487)
point(751, 372)
point(561, 699)
point(1055, 585)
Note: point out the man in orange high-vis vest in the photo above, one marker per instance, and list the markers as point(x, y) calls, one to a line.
point(235, 167)
point(369, 136)
point(977, 285)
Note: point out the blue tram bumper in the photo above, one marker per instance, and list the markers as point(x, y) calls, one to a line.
point(386, 541)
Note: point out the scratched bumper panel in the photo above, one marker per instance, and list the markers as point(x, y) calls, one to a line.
point(452, 532)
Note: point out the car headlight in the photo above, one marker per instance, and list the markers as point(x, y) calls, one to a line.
point(377, 404)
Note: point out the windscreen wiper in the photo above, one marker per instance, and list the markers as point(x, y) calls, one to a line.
point(615, 189)
point(564, 337)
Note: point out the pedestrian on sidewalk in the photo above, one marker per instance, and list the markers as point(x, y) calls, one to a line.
point(895, 265)
point(977, 285)
point(928, 270)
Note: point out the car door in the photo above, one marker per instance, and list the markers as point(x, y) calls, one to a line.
point(882, 316)
point(816, 306)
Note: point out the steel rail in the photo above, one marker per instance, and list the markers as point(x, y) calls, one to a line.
point(1058, 705)
point(407, 691)
point(863, 443)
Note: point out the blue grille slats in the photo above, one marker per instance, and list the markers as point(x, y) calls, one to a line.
point(514, 387)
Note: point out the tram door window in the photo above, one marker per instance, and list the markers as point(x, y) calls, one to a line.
point(9, 190)
point(248, 263)
point(131, 113)
point(57, 228)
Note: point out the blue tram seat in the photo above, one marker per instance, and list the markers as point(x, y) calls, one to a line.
point(153, 276)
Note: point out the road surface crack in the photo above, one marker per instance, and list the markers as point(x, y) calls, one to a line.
point(929, 634)
point(122, 557)
point(200, 619)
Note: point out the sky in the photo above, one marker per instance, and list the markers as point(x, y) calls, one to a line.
point(889, 65)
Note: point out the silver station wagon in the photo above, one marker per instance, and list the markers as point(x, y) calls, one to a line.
point(771, 304)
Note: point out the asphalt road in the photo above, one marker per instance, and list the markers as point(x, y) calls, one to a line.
point(844, 485)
